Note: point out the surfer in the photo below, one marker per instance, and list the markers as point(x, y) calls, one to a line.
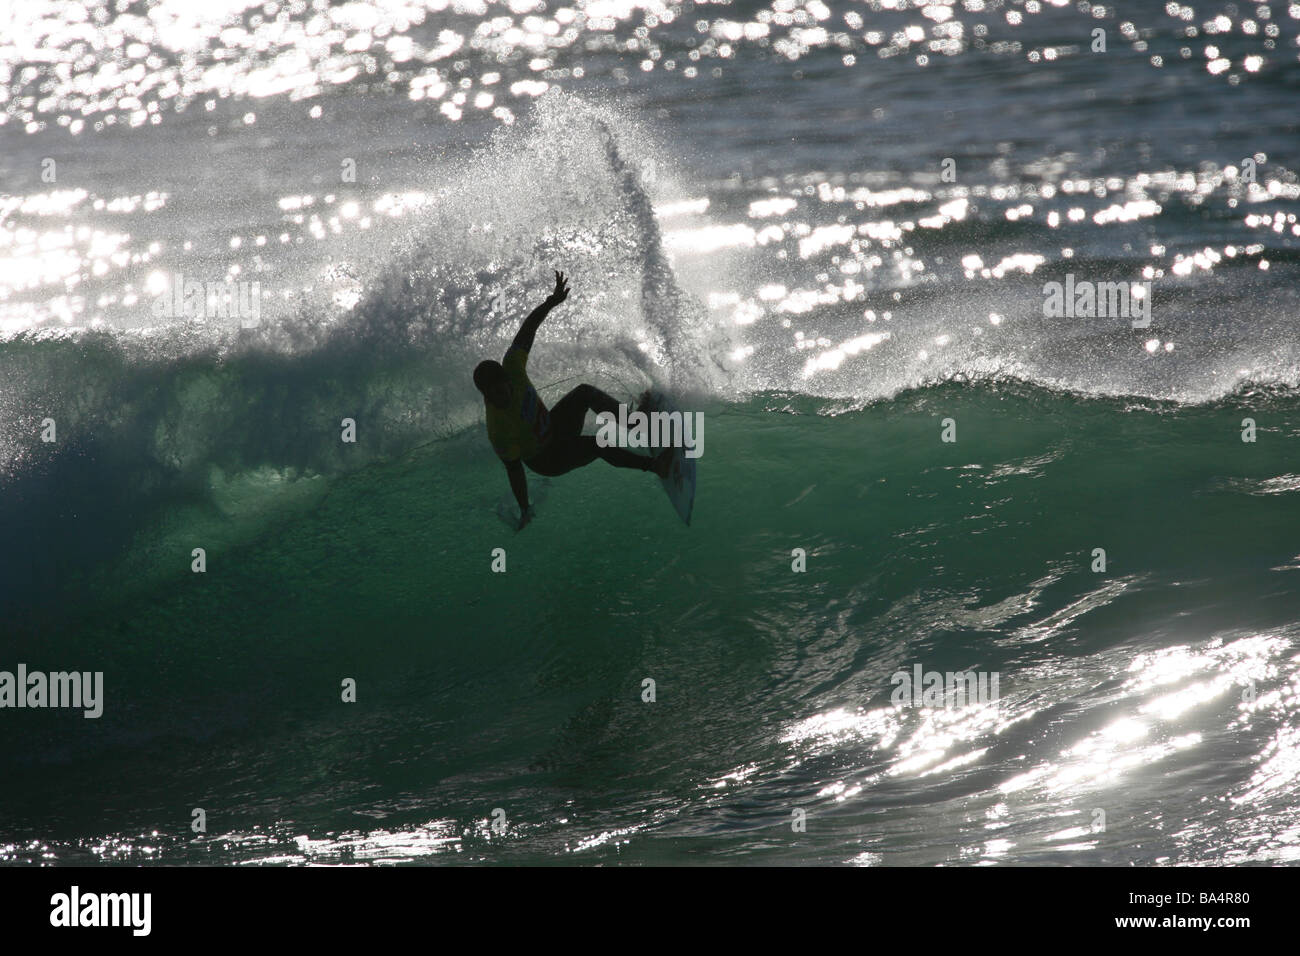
point(524, 432)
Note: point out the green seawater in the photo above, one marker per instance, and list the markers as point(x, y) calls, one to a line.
point(520, 697)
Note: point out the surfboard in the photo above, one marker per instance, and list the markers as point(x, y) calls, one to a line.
point(680, 483)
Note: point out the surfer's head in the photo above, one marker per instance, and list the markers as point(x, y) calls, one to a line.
point(490, 379)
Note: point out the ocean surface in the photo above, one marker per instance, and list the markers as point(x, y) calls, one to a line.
point(831, 229)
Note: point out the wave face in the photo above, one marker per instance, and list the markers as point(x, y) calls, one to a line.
point(829, 228)
point(773, 688)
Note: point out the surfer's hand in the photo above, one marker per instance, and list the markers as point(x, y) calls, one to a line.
point(561, 289)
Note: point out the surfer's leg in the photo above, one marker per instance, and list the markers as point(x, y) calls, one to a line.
point(621, 457)
point(570, 449)
point(565, 454)
point(569, 413)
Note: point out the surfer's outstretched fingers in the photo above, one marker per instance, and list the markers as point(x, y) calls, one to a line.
point(561, 288)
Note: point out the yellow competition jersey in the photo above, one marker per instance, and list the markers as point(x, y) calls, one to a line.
point(521, 429)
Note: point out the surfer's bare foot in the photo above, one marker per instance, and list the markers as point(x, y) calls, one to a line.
point(663, 463)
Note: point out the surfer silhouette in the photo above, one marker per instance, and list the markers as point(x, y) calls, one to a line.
point(550, 442)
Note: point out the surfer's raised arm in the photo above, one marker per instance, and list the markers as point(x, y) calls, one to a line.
point(524, 338)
